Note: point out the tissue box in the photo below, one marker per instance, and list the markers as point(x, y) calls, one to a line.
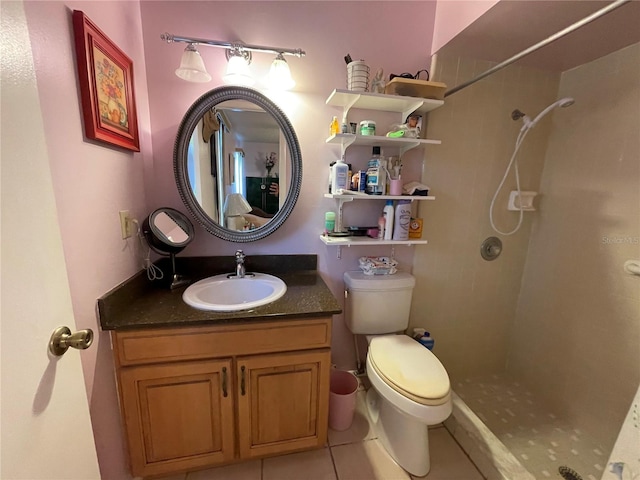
point(415, 88)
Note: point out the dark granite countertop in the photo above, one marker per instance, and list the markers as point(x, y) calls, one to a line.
point(140, 303)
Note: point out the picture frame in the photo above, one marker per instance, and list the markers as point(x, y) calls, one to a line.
point(105, 77)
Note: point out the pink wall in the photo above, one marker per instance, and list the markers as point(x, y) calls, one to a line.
point(92, 182)
point(327, 31)
point(452, 17)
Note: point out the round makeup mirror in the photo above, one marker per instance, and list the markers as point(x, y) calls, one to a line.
point(167, 231)
point(237, 164)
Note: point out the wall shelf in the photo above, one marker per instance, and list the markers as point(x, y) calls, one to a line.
point(360, 241)
point(347, 139)
point(346, 197)
point(348, 99)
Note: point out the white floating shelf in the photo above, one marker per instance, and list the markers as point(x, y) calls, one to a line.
point(347, 139)
point(379, 101)
point(359, 241)
point(348, 197)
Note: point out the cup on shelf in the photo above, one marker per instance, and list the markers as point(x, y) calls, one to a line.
point(358, 76)
point(395, 187)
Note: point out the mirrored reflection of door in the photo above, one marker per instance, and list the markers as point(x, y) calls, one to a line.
point(260, 193)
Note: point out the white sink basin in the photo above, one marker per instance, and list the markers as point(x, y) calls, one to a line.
point(223, 294)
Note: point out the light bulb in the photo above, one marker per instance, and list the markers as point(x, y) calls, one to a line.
point(280, 75)
point(238, 70)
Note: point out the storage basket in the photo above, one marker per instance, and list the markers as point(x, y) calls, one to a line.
point(415, 88)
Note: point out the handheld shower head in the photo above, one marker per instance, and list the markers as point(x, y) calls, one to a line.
point(566, 102)
point(563, 102)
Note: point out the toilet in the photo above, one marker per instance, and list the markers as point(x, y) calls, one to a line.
point(410, 387)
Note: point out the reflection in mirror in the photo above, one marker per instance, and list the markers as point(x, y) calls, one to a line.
point(235, 143)
point(237, 149)
point(173, 232)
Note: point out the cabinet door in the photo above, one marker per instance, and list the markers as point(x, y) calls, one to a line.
point(283, 402)
point(178, 416)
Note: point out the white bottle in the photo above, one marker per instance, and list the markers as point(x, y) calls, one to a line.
point(387, 213)
point(339, 176)
point(403, 218)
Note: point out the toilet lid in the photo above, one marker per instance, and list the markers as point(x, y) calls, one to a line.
point(410, 368)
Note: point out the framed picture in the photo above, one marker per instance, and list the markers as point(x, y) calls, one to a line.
point(105, 74)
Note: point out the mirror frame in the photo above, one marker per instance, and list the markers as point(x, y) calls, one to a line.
point(180, 154)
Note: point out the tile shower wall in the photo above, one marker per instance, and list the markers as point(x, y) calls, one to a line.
point(577, 328)
point(467, 303)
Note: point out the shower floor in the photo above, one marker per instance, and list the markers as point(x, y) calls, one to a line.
point(540, 440)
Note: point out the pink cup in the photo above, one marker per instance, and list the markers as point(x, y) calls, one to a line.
point(395, 187)
point(342, 399)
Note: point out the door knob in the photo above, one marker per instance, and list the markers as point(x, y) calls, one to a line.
point(62, 339)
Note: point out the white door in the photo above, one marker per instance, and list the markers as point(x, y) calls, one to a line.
point(46, 430)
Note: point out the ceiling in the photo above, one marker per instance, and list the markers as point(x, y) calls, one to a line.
point(511, 26)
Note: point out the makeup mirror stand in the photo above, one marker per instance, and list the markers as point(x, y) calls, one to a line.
point(177, 280)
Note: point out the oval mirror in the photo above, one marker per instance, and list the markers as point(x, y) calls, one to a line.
point(237, 164)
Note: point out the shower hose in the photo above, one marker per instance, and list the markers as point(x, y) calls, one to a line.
point(513, 162)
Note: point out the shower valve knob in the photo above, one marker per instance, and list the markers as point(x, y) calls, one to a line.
point(491, 248)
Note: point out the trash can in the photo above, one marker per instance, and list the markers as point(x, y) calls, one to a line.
point(342, 399)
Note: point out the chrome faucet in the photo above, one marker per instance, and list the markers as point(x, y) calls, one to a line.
point(240, 263)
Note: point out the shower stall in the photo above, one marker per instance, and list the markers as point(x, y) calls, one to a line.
point(542, 344)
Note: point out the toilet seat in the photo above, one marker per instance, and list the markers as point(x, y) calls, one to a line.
point(410, 369)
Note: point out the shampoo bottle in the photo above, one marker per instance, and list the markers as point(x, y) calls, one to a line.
point(387, 213)
point(339, 176)
point(403, 219)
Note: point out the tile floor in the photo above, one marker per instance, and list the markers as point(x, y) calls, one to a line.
point(354, 454)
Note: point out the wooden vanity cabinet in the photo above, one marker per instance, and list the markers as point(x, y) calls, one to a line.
point(197, 397)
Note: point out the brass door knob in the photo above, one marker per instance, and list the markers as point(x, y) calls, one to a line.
point(62, 339)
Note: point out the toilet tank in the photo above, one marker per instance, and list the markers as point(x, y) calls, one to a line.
point(377, 303)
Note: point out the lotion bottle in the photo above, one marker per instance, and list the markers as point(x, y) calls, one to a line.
point(403, 218)
point(387, 213)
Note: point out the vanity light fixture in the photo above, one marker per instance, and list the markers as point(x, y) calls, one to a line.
point(239, 57)
point(280, 74)
point(192, 67)
point(238, 72)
